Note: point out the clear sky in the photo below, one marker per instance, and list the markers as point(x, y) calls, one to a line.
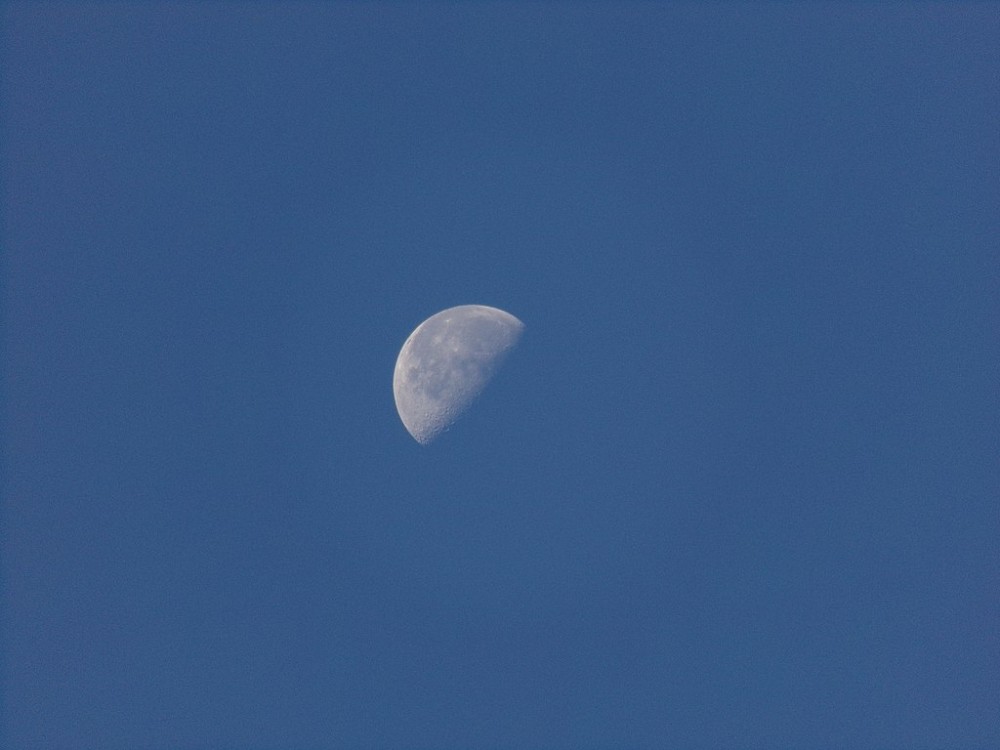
point(738, 486)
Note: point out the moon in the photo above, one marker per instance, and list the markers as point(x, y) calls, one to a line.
point(447, 362)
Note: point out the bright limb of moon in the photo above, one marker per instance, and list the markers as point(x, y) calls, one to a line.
point(447, 362)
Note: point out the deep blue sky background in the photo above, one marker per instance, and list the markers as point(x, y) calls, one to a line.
point(737, 488)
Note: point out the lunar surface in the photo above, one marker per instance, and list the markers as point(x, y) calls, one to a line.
point(447, 362)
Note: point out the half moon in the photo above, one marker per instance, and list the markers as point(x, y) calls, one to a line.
point(447, 362)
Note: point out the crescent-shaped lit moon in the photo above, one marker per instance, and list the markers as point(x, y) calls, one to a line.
point(447, 362)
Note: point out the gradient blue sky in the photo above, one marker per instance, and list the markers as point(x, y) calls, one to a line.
point(737, 488)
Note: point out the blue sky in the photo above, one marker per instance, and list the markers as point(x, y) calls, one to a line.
point(736, 488)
